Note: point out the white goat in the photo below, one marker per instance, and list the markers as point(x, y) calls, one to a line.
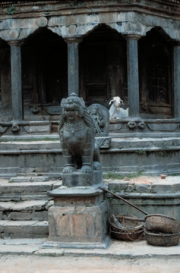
point(115, 111)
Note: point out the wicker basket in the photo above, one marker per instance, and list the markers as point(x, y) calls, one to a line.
point(162, 223)
point(161, 239)
point(133, 229)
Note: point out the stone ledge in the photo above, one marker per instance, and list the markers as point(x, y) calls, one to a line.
point(76, 245)
point(24, 229)
point(152, 185)
point(75, 192)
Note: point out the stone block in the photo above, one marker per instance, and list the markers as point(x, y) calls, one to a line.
point(38, 196)
point(160, 188)
point(19, 216)
point(77, 201)
point(6, 205)
point(90, 225)
point(19, 227)
point(37, 129)
point(82, 179)
point(25, 229)
point(103, 142)
point(118, 186)
point(19, 179)
point(40, 227)
point(143, 188)
point(175, 187)
point(130, 187)
point(64, 225)
point(22, 216)
point(24, 23)
point(40, 215)
point(10, 197)
point(78, 224)
point(32, 205)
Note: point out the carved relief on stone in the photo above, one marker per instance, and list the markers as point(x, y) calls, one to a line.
point(100, 117)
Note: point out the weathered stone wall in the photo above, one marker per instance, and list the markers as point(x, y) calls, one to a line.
point(153, 198)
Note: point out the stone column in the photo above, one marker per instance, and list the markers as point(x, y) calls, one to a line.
point(177, 81)
point(133, 75)
point(73, 65)
point(16, 80)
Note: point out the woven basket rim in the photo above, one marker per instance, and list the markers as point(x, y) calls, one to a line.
point(125, 229)
point(127, 232)
point(161, 215)
point(161, 234)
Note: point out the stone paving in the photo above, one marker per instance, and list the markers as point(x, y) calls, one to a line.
point(116, 249)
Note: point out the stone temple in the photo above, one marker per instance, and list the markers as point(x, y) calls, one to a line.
point(98, 50)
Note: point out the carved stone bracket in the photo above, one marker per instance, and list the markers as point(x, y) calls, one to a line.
point(141, 125)
point(132, 36)
point(131, 125)
point(15, 42)
point(72, 40)
point(134, 125)
point(35, 109)
point(15, 128)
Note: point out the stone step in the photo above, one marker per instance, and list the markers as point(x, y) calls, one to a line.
point(135, 142)
point(36, 146)
point(25, 210)
point(23, 229)
point(26, 190)
point(31, 178)
point(24, 206)
point(21, 145)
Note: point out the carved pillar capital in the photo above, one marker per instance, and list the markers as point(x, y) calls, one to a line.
point(15, 42)
point(75, 40)
point(132, 36)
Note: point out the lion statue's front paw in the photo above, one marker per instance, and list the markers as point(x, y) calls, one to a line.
point(68, 169)
point(86, 169)
point(96, 166)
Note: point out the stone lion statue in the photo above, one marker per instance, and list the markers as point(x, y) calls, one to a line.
point(77, 135)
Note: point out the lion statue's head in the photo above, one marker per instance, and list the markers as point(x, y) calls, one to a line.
point(74, 103)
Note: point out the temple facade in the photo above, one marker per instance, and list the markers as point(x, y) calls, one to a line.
point(97, 49)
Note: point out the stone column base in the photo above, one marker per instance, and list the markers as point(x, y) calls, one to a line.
point(78, 218)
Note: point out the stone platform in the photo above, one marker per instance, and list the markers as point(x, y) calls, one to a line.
point(42, 154)
point(24, 202)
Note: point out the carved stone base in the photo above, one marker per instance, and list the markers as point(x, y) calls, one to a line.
point(103, 142)
point(82, 179)
point(78, 218)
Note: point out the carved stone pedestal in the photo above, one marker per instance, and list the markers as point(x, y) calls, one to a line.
point(77, 179)
point(78, 218)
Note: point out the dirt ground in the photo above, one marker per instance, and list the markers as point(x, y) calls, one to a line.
point(148, 179)
point(39, 264)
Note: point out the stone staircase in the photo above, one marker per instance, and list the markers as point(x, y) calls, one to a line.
point(24, 206)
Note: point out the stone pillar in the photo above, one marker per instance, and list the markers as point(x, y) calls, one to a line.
point(73, 65)
point(177, 81)
point(133, 75)
point(16, 80)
